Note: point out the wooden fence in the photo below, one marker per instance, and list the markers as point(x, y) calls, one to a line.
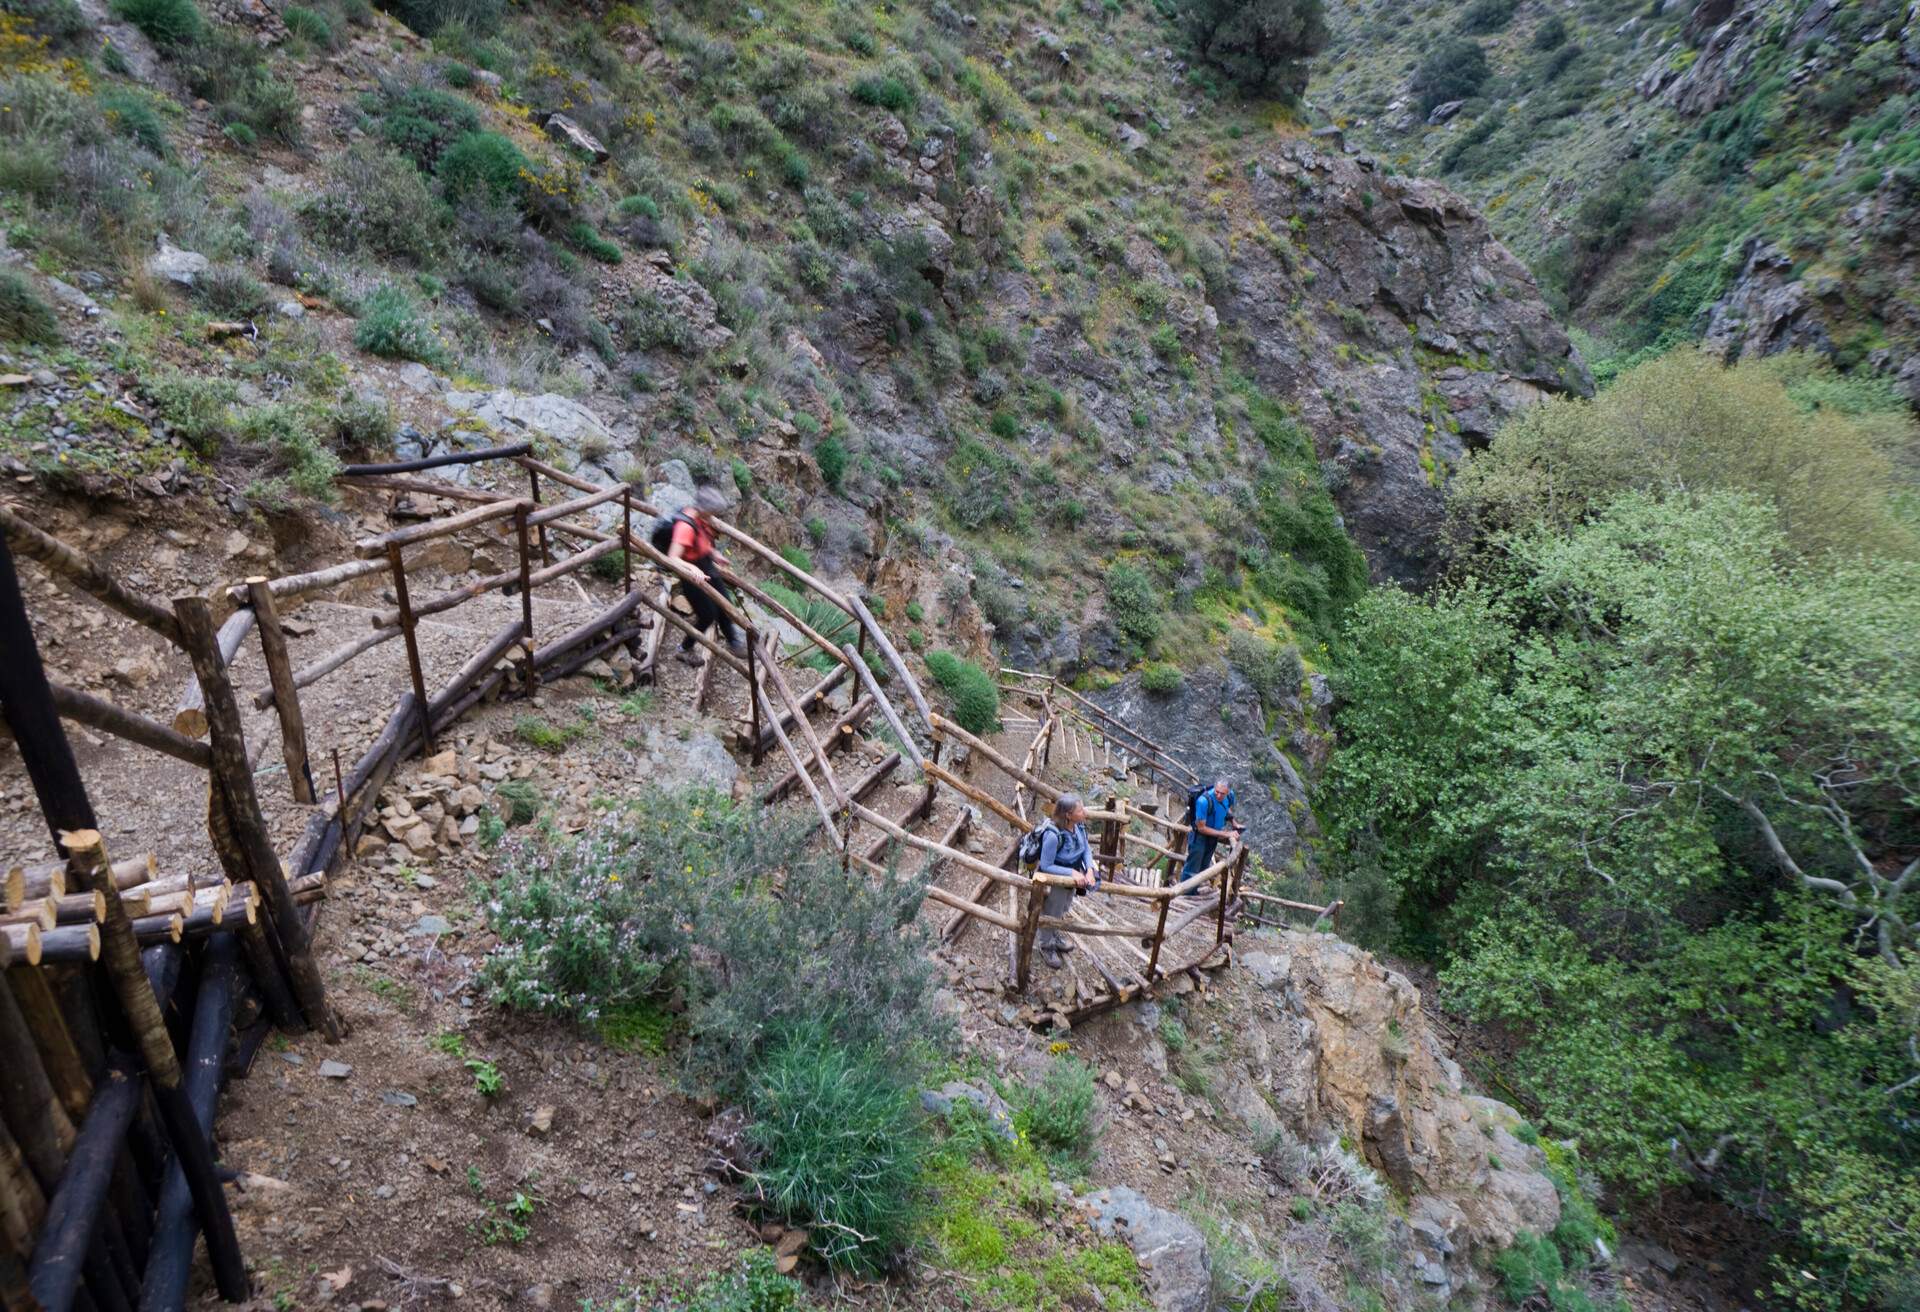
point(109, 1087)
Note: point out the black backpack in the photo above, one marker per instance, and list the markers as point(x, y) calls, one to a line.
point(662, 535)
point(1193, 804)
point(1029, 849)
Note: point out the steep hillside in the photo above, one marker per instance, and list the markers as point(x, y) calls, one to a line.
point(995, 295)
point(1742, 171)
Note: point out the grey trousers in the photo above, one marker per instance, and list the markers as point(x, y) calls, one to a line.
point(1058, 903)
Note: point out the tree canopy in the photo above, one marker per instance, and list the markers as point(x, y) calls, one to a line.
point(1644, 778)
point(1261, 45)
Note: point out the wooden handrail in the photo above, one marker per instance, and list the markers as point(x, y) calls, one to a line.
point(369, 548)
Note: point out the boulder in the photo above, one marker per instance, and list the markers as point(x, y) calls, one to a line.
point(1766, 310)
point(559, 419)
point(175, 265)
point(940, 1102)
point(576, 138)
point(1346, 1053)
point(1172, 1253)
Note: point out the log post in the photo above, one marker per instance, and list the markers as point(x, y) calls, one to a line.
point(26, 700)
point(533, 484)
point(1177, 862)
point(407, 624)
point(78, 1206)
point(1110, 836)
point(1023, 941)
point(526, 595)
point(286, 699)
point(121, 955)
point(171, 1259)
point(235, 778)
point(1159, 938)
point(753, 702)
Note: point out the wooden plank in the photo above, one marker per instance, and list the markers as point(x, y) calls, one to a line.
point(370, 548)
point(397, 564)
point(892, 657)
point(296, 585)
point(190, 718)
point(99, 713)
point(332, 661)
point(858, 665)
point(838, 735)
point(191, 1148)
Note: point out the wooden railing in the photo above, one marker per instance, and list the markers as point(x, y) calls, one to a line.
point(62, 1232)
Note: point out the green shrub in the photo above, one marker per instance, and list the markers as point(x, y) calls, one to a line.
point(885, 92)
point(976, 700)
point(25, 315)
point(473, 18)
point(831, 456)
point(1161, 679)
point(483, 165)
point(638, 206)
point(132, 114)
point(586, 239)
point(61, 22)
point(362, 423)
point(392, 325)
point(1274, 669)
point(230, 292)
point(1262, 46)
point(797, 558)
point(1004, 425)
point(1134, 604)
point(536, 731)
point(1455, 70)
point(199, 410)
point(522, 801)
point(756, 1285)
point(308, 25)
point(842, 1147)
point(916, 612)
point(163, 22)
point(689, 892)
point(1058, 1112)
point(423, 122)
point(376, 201)
point(1484, 16)
point(290, 436)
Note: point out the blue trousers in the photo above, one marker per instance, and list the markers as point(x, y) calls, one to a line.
point(1199, 854)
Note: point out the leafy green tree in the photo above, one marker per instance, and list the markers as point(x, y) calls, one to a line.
point(1648, 794)
point(1262, 46)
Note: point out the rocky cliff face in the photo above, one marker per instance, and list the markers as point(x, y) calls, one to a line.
point(1427, 336)
point(1636, 161)
point(1215, 723)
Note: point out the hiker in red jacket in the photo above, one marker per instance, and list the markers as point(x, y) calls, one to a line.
point(693, 543)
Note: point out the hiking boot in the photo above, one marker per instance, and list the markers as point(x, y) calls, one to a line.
point(1053, 959)
point(738, 646)
point(688, 656)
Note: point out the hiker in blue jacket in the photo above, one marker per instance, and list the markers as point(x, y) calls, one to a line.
point(1064, 851)
point(1212, 820)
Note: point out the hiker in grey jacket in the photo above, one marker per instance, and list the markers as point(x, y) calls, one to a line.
point(1065, 852)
